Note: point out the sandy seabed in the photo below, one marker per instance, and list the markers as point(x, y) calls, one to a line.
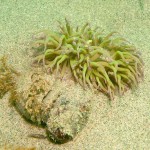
point(125, 124)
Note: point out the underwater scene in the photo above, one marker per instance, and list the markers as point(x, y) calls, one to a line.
point(74, 75)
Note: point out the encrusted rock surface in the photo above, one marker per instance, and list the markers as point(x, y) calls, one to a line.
point(62, 106)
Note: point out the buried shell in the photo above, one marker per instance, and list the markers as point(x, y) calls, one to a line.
point(108, 63)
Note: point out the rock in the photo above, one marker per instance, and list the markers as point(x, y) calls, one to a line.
point(62, 106)
point(66, 119)
point(30, 104)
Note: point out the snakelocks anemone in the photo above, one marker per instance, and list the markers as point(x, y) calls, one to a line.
point(108, 63)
